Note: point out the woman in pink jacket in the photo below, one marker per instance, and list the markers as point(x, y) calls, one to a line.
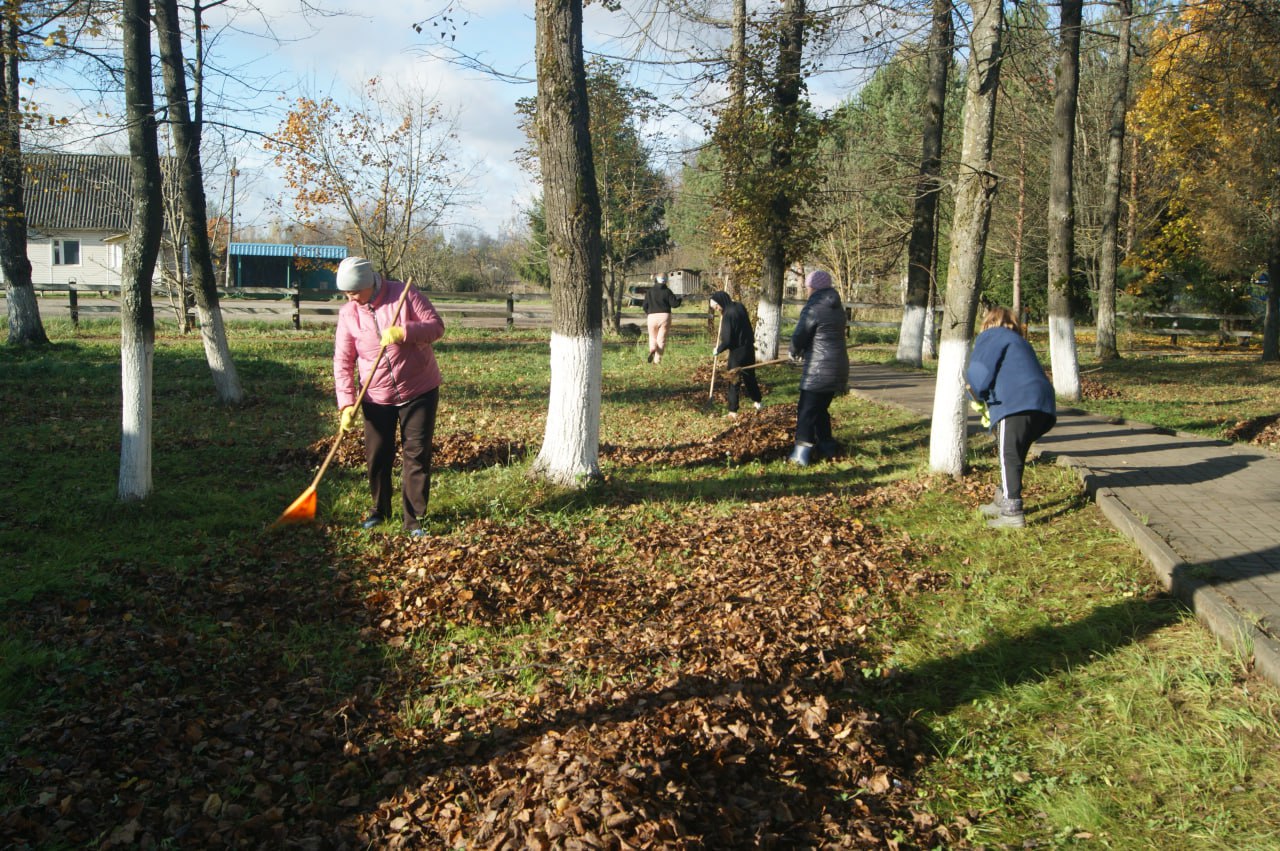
point(405, 391)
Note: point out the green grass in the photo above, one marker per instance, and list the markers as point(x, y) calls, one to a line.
point(1064, 699)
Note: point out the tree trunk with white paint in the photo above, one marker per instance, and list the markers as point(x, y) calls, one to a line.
point(1108, 262)
point(920, 248)
point(769, 309)
point(184, 125)
point(975, 188)
point(571, 443)
point(784, 115)
point(25, 325)
point(1062, 326)
point(137, 321)
point(768, 328)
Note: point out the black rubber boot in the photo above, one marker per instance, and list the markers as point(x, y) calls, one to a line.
point(827, 448)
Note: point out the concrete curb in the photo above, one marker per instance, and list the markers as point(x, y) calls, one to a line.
point(1223, 619)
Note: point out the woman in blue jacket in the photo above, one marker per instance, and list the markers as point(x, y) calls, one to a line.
point(819, 339)
point(1004, 375)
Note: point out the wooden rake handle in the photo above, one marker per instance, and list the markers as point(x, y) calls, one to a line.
point(738, 369)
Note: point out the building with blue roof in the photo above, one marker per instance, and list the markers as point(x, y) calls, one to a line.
point(272, 264)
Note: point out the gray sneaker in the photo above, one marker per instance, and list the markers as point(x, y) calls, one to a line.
point(1010, 516)
point(1008, 521)
point(995, 506)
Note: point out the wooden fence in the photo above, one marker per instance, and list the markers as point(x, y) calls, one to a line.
point(300, 306)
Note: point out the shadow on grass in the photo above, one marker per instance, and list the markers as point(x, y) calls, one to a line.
point(1009, 659)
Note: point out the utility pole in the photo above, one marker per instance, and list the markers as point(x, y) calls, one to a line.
point(231, 222)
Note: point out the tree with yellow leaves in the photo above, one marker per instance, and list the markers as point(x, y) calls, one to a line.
point(388, 162)
point(1209, 114)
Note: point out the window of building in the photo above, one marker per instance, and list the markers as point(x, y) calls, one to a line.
point(66, 252)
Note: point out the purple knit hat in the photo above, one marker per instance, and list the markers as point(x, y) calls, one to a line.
point(818, 279)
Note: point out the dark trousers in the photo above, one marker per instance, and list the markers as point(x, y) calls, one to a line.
point(813, 419)
point(1014, 436)
point(417, 422)
point(744, 380)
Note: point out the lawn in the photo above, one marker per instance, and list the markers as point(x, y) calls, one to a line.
point(708, 649)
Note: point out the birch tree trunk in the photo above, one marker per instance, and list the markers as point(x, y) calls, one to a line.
point(920, 248)
point(186, 138)
point(25, 326)
point(1108, 264)
point(1062, 329)
point(571, 442)
point(975, 188)
point(137, 322)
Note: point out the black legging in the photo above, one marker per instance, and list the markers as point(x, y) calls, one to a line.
point(745, 379)
point(1014, 436)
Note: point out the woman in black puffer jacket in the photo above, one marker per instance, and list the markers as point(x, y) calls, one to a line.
point(819, 339)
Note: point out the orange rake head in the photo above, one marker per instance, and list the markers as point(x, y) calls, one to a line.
point(302, 510)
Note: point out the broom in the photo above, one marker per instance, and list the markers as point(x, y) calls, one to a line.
point(303, 509)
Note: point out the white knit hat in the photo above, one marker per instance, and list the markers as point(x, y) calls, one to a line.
point(355, 273)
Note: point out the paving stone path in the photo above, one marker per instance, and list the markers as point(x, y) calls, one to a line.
point(1204, 512)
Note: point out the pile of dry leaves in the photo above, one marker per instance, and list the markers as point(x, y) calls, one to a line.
point(700, 685)
point(1260, 431)
point(629, 682)
point(456, 451)
point(695, 684)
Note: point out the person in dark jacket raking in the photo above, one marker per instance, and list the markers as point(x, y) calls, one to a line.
point(819, 339)
point(659, 301)
point(1005, 376)
point(737, 338)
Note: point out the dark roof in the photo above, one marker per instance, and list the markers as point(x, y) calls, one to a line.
point(276, 249)
point(77, 191)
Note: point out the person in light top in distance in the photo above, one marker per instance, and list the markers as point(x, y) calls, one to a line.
point(404, 393)
point(659, 301)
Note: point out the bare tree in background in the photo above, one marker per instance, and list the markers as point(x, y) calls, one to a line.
point(185, 127)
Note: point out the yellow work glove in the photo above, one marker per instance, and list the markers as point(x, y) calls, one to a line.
point(980, 408)
point(394, 334)
point(347, 417)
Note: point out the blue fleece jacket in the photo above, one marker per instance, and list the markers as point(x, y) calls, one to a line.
point(1004, 373)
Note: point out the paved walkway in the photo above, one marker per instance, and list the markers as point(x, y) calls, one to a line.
point(1205, 513)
